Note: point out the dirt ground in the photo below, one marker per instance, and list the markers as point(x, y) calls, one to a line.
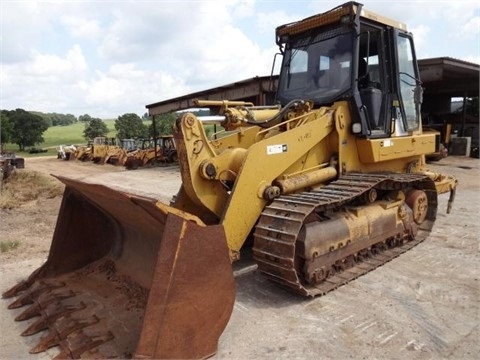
point(32, 224)
point(423, 305)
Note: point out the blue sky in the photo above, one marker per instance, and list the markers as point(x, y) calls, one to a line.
point(107, 58)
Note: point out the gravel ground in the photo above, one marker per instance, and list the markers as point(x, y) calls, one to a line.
point(422, 305)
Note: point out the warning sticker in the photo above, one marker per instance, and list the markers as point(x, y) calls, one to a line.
point(276, 149)
point(387, 143)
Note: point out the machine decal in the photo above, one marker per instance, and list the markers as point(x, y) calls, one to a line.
point(276, 149)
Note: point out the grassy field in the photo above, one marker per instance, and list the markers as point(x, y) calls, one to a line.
point(69, 135)
point(61, 135)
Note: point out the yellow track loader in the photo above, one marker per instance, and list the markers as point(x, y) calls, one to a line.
point(159, 151)
point(327, 184)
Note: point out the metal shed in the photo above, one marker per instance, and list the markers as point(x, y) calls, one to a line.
point(443, 78)
point(259, 90)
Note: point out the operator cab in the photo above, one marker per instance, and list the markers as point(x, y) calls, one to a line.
point(351, 54)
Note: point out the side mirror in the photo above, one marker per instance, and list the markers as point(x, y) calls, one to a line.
point(418, 94)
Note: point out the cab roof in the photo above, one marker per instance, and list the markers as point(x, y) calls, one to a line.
point(343, 13)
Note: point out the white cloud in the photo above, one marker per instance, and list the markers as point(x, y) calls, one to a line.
point(43, 82)
point(138, 30)
point(21, 27)
point(471, 28)
point(243, 8)
point(203, 45)
point(420, 37)
point(82, 27)
point(47, 65)
point(126, 88)
point(268, 21)
point(92, 57)
point(106, 90)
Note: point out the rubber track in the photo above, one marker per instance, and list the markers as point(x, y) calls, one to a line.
point(279, 225)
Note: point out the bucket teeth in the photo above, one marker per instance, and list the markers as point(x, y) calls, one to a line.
point(43, 300)
point(33, 292)
point(28, 313)
point(60, 330)
point(48, 315)
point(80, 342)
point(14, 290)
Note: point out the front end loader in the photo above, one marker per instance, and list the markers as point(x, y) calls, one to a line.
point(128, 277)
point(327, 184)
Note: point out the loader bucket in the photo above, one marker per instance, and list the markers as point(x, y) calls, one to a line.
point(128, 277)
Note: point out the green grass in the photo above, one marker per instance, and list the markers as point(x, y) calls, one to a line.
point(71, 134)
point(8, 245)
point(61, 135)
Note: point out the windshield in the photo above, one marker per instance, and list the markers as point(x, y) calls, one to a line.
point(316, 68)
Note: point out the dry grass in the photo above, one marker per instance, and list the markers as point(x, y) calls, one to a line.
point(24, 186)
point(8, 245)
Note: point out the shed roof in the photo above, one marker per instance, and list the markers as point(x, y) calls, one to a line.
point(449, 76)
point(234, 91)
point(440, 76)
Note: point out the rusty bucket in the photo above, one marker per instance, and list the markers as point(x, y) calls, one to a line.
point(128, 277)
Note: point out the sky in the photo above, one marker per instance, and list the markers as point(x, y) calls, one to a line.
point(108, 58)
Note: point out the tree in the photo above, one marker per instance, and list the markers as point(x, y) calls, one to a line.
point(85, 118)
point(95, 128)
point(163, 125)
point(6, 129)
point(130, 126)
point(54, 119)
point(62, 119)
point(27, 129)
